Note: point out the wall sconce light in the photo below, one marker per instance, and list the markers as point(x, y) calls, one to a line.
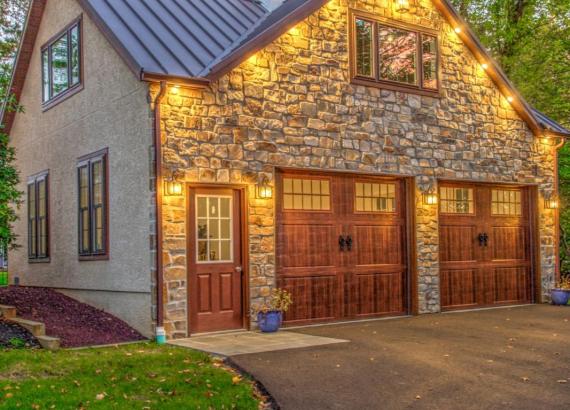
point(402, 6)
point(551, 203)
point(510, 99)
point(264, 191)
point(485, 66)
point(172, 188)
point(429, 198)
point(457, 30)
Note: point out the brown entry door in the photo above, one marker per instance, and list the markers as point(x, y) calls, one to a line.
point(341, 246)
point(485, 254)
point(215, 260)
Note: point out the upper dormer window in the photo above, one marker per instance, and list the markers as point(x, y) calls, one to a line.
point(394, 56)
point(61, 63)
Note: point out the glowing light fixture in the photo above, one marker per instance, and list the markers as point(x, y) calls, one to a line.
point(264, 191)
point(172, 188)
point(485, 66)
point(551, 203)
point(402, 6)
point(457, 30)
point(175, 89)
point(510, 99)
point(429, 198)
point(294, 31)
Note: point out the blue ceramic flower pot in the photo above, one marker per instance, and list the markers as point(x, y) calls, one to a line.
point(269, 322)
point(559, 297)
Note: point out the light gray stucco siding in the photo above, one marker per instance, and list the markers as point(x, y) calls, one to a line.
point(110, 112)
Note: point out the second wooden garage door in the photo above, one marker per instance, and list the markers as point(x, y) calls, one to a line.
point(341, 246)
point(485, 245)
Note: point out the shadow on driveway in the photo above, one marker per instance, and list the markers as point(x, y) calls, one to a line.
point(515, 358)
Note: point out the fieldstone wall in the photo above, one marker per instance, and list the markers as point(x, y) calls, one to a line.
point(292, 105)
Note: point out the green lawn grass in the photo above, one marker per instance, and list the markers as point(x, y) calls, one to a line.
point(137, 376)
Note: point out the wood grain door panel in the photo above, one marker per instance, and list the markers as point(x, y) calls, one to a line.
point(327, 283)
point(495, 272)
point(215, 292)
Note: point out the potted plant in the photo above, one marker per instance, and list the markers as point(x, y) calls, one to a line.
point(270, 313)
point(560, 294)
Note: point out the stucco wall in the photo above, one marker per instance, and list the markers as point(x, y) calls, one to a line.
point(292, 105)
point(111, 111)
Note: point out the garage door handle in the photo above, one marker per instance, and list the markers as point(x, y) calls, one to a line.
point(349, 243)
point(341, 243)
point(483, 239)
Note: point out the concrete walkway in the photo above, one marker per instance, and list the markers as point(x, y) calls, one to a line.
point(516, 358)
point(236, 343)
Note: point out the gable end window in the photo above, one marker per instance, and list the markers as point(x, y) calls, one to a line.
point(92, 184)
point(394, 56)
point(38, 218)
point(61, 64)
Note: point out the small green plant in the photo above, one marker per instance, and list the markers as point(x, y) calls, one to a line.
point(280, 300)
point(17, 343)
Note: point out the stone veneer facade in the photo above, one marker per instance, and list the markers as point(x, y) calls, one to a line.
point(292, 105)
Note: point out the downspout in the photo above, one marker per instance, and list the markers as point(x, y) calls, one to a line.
point(558, 268)
point(160, 334)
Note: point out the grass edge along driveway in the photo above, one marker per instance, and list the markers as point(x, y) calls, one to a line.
point(137, 376)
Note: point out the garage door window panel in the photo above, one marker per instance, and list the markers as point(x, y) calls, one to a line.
point(375, 197)
point(306, 194)
point(506, 202)
point(457, 200)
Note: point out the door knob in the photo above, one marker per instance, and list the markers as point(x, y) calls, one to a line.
point(238, 269)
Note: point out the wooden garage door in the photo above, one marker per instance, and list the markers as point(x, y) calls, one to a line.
point(485, 246)
point(341, 246)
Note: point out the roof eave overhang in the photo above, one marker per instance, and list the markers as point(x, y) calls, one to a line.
point(193, 82)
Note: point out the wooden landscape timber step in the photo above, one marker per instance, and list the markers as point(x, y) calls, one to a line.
point(48, 342)
point(37, 329)
point(7, 312)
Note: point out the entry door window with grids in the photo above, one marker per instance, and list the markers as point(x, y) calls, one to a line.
point(214, 229)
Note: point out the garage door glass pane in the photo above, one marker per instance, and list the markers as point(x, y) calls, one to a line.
point(213, 229)
point(456, 200)
point(306, 194)
point(505, 202)
point(370, 197)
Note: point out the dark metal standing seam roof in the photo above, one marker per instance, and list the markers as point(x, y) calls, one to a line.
point(549, 124)
point(176, 37)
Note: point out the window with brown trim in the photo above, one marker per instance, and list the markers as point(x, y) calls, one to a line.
point(61, 63)
point(306, 194)
point(394, 55)
point(92, 181)
point(38, 217)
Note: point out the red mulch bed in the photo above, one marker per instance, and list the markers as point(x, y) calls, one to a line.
point(75, 323)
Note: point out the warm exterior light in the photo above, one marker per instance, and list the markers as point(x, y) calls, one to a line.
point(264, 191)
point(485, 66)
point(172, 188)
point(174, 89)
point(551, 203)
point(429, 198)
point(252, 59)
point(457, 30)
point(510, 99)
point(402, 6)
point(294, 31)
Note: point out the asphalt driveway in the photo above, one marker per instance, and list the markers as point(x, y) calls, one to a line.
point(516, 358)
